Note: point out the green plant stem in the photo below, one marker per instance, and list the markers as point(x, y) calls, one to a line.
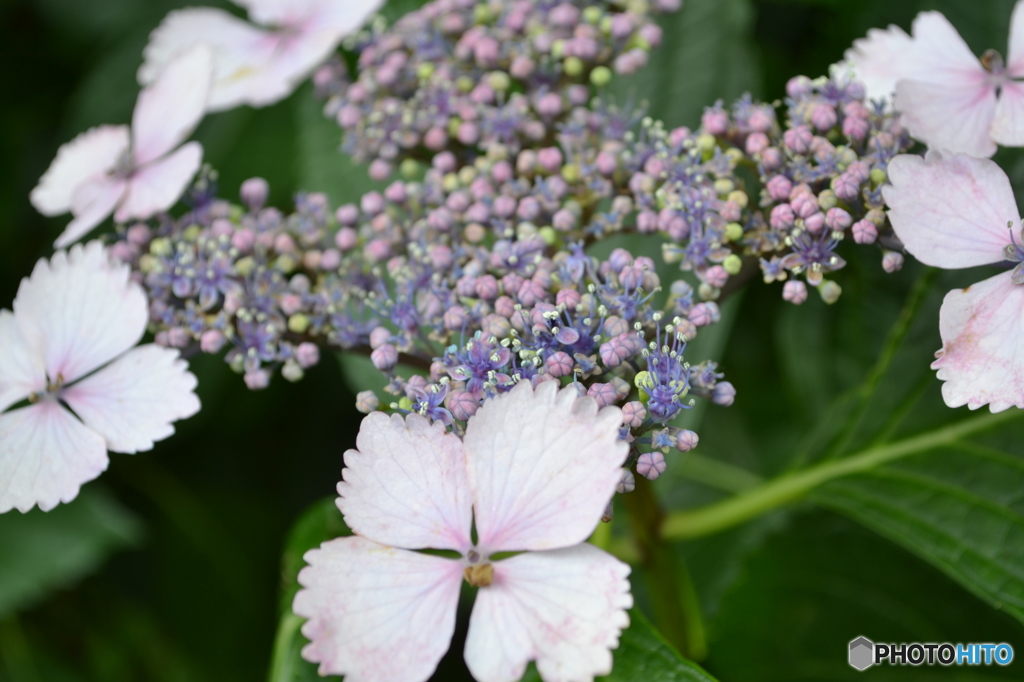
point(716, 473)
point(791, 487)
point(282, 662)
point(676, 610)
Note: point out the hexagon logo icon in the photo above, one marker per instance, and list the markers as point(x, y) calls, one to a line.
point(862, 653)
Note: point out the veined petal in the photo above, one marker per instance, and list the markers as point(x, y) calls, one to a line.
point(94, 200)
point(281, 12)
point(1015, 57)
point(45, 457)
point(1008, 124)
point(158, 185)
point(405, 485)
point(982, 359)
point(949, 210)
point(91, 154)
point(21, 367)
point(133, 401)
point(949, 115)
point(80, 310)
point(376, 613)
point(170, 108)
point(543, 464)
point(564, 609)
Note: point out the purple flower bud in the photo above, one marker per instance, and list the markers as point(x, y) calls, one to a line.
point(455, 318)
point(496, 326)
point(856, 128)
point(616, 350)
point(779, 187)
point(815, 222)
point(627, 483)
point(529, 208)
point(395, 192)
point(307, 354)
point(549, 105)
point(686, 440)
point(892, 261)
point(798, 140)
point(384, 357)
point(521, 67)
point(570, 298)
point(824, 117)
point(139, 234)
point(564, 220)
point(367, 402)
point(723, 394)
point(838, 219)
point(633, 414)
point(349, 116)
point(550, 159)
point(716, 276)
point(805, 205)
point(461, 404)
point(701, 315)
point(347, 214)
point(178, 337)
point(530, 292)
point(559, 364)
point(290, 304)
point(650, 465)
point(377, 250)
point(782, 217)
point(257, 379)
point(435, 139)
point(647, 222)
point(799, 86)
point(505, 306)
point(468, 133)
point(864, 232)
point(330, 260)
point(445, 162)
point(212, 341)
point(123, 252)
point(604, 394)
point(486, 52)
point(772, 159)
point(487, 287)
point(379, 336)
point(380, 170)
point(346, 239)
point(794, 291)
point(757, 143)
point(715, 121)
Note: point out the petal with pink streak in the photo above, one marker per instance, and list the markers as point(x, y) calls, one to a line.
point(45, 457)
point(563, 609)
point(1008, 124)
point(134, 401)
point(543, 464)
point(405, 484)
point(91, 154)
point(951, 211)
point(1015, 58)
point(376, 613)
point(157, 186)
point(93, 202)
point(170, 108)
point(982, 356)
point(21, 366)
point(951, 116)
point(80, 310)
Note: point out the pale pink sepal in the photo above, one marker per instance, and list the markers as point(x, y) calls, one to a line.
point(157, 186)
point(134, 401)
point(377, 614)
point(80, 311)
point(950, 115)
point(93, 203)
point(1015, 56)
point(21, 369)
point(92, 153)
point(1008, 124)
point(405, 484)
point(564, 609)
point(543, 464)
point(951, 211)
point(45, 457)
point(982, 356)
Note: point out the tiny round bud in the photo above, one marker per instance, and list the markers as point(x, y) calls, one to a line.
point(212, 341)
point(723, 394)
point(829, 291)
point(307, 354)
point(257, 380)
point(864, 232)
point(686, 440)
point(254, 192)
point(367, 401)
point(892, 261)
point(627, 483)
point(651, 465)
point(384, 357)
point(794, 291)
point(292, 371)
point(633, 414)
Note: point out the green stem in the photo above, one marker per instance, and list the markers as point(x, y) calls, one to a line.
point(283, 661)
point(791, 487)
point(716, 473)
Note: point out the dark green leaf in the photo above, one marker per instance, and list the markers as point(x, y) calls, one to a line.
point(44, 551)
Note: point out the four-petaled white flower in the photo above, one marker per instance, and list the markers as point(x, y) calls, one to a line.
point(253, 65)
point(69, 342)
point(534, 474)
point(947, 98)
point(133, 171)
point(956, 211)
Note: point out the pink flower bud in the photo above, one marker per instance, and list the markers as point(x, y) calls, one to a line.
point(757, 143)
point(307, 354)
point(824, 117)
point(650, 465)
point(864, 232)
point(604, 394)
point(570, 298)
point(798, 140)
point(384, 357)
point(461, 404)
point(367, 402)
point(892, 261)
point(633, 414)
point(243, 240)
point(815, 222)
point(550, 159)
point(254, 192)
point(716, 276)
point(212, 341)
point(379, 336)
point(779, 187)
point(782, 217)
point(686, 440)
point(257, 380)
point(838, 219)
point(627, 483)
point(715, 121)
point(794, 291)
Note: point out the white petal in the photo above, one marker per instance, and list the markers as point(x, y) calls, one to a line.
point(92, 153)
point(282, 12)
point(133, 401)
point(564, 609)
point(377, 614)
point(543, 464)
point(952, 116)
point(879, 60)
point(21, 366)
point(169, 109)
point(982, 359)
point(45, 457)
point(240, 51)
point(405, 485)
point(158, 186)
point(950, 211)
point(93, 202)
point(1015, 58)
point(80, 310)
point(1008, 124)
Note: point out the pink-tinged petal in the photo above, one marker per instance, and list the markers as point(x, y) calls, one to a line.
point(93, 202)
point(956, 117)
point(1015, 58)
point(91, 154)
point(949, 210)
point(80, 311)
point(405, 485)
point(543, 464)
point(564, 609)
point(376, 613)
point(1008, 124)
point(170, 108)
point(283, 12)
point(21, 366)
point(158, 186)
point(45, 457)
point(982, 356)
point(241, 51)
point(133, 401)
point(879, 60)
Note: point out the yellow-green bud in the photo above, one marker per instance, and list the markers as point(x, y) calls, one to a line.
point(878, 176)
point(464, 83)
point(450, 182)
point(244, 266)
point(723, 186)
point(410, 169)
point(571, 172)
point(285, 263)
point(732, 264)
point(161, 247)
point(298, 323)
point(405, 403)
point(706, 142)
point(643, 380)
point(592, 14)
point(549, 235)
point(558, 48)
point(573, 66)
point(499, 80)
point(425, 70)
point(830, 291)
point(600, 76)
point(733, 232)
point(739, 197)
point(467, 174)
point(827, 199)
point(146, 263)
point(191, 233)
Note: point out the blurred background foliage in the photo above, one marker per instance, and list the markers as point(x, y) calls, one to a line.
point(170, 566)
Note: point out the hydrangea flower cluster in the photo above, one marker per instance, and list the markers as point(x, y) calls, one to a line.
point(464, 75)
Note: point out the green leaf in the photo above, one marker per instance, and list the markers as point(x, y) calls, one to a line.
point(44, 551)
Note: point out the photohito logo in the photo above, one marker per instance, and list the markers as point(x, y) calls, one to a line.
point(864, 653)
